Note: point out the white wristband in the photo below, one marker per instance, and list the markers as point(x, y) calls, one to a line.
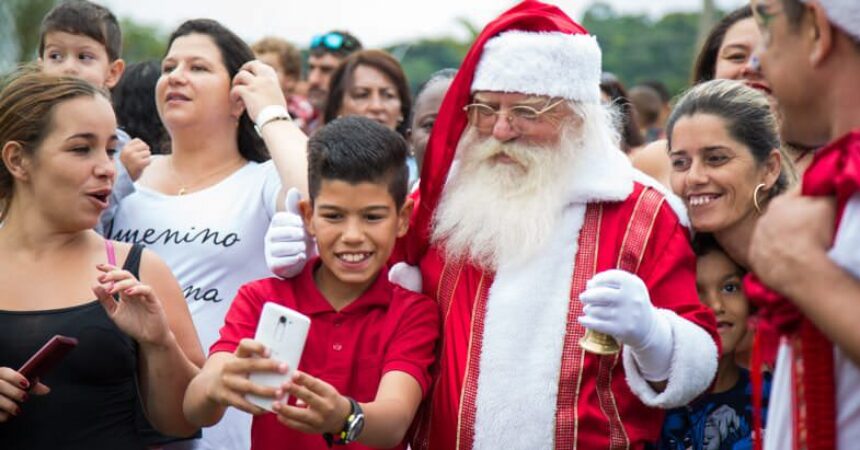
point(270, 113)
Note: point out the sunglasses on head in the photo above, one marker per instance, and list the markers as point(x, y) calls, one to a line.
point(332, 41)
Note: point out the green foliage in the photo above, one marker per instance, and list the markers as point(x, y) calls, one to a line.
point(637, 48)
point(142, 42)
point(420, 59)
point(27, 17)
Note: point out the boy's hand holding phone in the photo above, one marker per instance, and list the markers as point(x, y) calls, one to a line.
point(231, 385)
point(320, 407)
point(14, 392)
point(137, 311)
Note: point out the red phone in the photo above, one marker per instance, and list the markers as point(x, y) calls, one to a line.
point(47, 357)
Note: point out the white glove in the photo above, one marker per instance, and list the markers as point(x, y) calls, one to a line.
point(287, 246)
point(405, 276)
point(617, 303)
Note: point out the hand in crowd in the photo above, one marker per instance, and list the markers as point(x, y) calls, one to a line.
point(137, 312)
point(231, 385)
point(319, 406)
point(14, 392)
point(257, 85)
point(288, 247)
point(135, 156)
point(793, 230)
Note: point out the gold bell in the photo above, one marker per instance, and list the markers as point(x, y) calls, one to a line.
point(599, 343)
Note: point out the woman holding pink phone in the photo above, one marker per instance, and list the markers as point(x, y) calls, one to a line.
point(136, 341)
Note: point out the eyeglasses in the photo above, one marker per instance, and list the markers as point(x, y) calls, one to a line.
point(763, 16)
point(520, 117)
point(334, 41)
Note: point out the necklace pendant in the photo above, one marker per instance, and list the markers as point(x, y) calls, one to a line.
point(181, 191)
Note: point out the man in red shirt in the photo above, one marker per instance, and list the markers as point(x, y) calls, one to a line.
point(805, 245)
point(369, 340)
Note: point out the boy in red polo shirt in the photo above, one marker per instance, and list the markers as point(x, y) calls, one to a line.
point(365, 366)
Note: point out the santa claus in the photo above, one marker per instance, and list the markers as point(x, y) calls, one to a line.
point(533, 227)
point(535, 215)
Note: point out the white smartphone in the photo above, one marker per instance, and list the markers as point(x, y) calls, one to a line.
point(284, 332)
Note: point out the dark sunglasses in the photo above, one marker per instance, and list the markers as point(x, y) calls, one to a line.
point(333, 41)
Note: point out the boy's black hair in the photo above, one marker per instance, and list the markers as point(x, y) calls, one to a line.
point(356, 149)
point(704, 243)
point(84, 18)
point(134, 104)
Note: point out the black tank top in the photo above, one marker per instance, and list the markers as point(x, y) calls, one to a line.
point(93, 395)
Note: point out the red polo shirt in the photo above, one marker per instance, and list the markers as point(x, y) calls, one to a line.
point(387, 328)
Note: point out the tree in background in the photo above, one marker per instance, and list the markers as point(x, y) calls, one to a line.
point(142, 42)
point(638, 48)
point(19, 30)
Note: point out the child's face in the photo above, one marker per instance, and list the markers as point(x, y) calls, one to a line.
point(79, 56)
point(355, 227)
point(718, 280)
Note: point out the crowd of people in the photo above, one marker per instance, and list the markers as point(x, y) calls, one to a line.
point(523, 255)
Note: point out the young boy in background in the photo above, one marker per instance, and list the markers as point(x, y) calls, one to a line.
point(82, 39)
point(368, 354)
point(723, 418)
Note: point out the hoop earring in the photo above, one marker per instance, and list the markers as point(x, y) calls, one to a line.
point(755, 197)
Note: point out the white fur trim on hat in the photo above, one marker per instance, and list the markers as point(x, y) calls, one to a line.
point(843, 13)
point(552, 64)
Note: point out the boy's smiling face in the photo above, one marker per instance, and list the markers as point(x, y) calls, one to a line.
point(79, 56)
point(355, 226)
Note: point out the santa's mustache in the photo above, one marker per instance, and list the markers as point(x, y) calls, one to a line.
point(490, 149)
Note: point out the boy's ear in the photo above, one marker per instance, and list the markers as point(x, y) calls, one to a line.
point(115, 71)
point(404, 216)
point(15, 160)
point(307, 212)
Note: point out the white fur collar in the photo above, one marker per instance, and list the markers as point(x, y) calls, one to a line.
point(524, 331)
point(600, 176)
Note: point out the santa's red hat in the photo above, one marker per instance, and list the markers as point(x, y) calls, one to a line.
point(532, 48)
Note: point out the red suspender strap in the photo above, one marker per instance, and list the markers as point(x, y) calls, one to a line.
point(573, 357)
point(469, 395)
point(639, 229)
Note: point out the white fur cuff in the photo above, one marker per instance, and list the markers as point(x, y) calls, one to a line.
point(694, 365)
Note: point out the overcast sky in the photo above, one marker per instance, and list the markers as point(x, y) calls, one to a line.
point(376, 22)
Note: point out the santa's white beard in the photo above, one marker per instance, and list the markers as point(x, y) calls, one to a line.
point(492, 212)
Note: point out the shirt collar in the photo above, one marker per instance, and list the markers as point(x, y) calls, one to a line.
point(312, 301)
